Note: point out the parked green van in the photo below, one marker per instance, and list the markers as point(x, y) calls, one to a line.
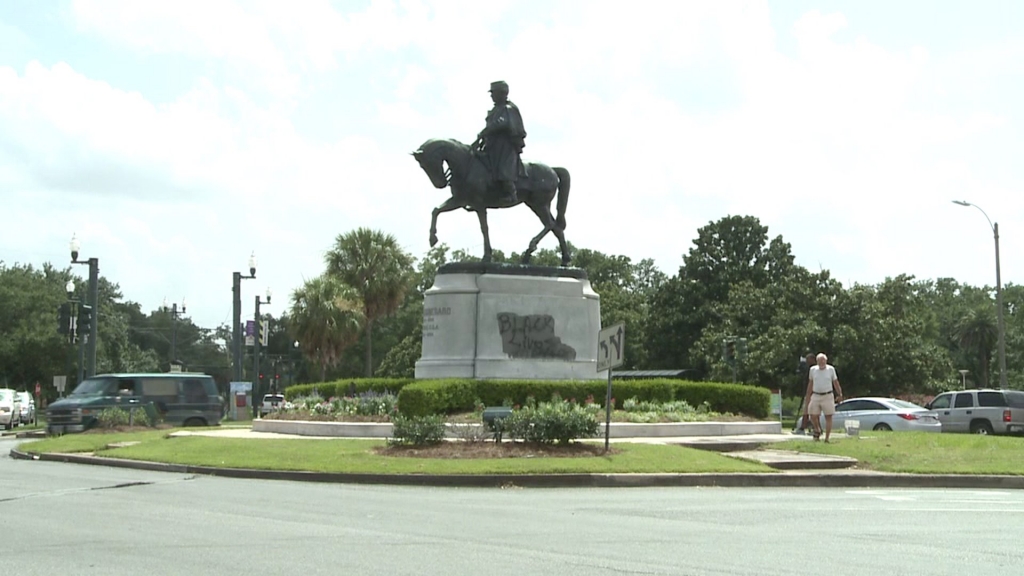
point(180, 398)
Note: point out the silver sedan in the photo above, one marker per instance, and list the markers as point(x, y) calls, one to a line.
point(877, 413)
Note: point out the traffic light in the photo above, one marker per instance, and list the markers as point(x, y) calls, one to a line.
point(729, 350)
point(85, 319)
point(64, 319)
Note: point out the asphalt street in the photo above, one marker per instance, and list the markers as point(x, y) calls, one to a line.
point(77, 519)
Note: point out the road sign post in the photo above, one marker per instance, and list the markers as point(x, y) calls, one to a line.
point(610, 344)
point(59, 382)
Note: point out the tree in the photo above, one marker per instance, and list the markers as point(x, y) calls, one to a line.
point(325, 318)
point(378, 269)
point(725, 253)
point(977, 333)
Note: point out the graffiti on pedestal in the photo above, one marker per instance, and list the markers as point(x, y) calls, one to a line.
point(532, 336)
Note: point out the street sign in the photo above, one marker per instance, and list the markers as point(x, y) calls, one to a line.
point(776, 402)
point(250, 332)
point(59, 382)
point(264, 332)
point(610, 347)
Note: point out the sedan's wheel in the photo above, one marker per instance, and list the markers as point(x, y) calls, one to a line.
point(882, 427)
point(981, 427)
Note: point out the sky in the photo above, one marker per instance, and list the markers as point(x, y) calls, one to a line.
point(174, 139)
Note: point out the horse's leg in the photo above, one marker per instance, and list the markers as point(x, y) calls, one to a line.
point(544, 213)
point(482, 214)
point(563, 245)
point(449, 205)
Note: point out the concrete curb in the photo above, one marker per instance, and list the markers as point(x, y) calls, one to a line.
point(739, 480)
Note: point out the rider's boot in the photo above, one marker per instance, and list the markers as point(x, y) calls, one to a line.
point(509, 193)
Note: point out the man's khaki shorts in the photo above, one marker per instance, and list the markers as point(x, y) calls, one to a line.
point(822, 404)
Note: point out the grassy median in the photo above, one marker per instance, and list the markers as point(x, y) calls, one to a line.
point(360, 456)
point(924, 453)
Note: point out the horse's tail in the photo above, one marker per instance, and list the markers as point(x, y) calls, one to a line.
point(563, 195)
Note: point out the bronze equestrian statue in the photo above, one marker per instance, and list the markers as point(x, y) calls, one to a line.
point(490, 174)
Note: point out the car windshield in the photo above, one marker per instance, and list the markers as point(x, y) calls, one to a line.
point(903, 404)
point(1014, 399)
point(95, 387)
point(6, 395)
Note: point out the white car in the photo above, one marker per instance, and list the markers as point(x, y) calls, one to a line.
point(10, 409)
point(877, 413)
point(28, 408)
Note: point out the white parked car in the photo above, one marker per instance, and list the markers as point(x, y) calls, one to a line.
point(10, 409)
point(28, 408)
point(877, 413)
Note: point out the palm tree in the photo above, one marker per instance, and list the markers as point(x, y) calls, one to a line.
point(378, 269)
point(977, 333)
point(325, 318)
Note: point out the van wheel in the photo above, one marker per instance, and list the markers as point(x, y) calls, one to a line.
point(195, 422)
point(981, 427)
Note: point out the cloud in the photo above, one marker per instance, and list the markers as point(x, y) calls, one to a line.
point(667, 118)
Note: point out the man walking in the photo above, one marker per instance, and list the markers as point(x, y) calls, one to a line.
point(823, 391)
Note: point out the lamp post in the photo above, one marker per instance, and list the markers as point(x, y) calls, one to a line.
point(963, 379)
point(175, 314)
point(256, 356)
point(999, 296)
point(72, 334)
point(236, 324)
point(91, 300)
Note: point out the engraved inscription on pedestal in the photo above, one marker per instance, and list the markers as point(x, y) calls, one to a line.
point(532, 336)
point(433, 317)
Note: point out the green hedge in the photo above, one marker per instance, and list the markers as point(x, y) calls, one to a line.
point(424, 397)
point(339, 388)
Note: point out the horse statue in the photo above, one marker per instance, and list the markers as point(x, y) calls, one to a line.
point(450, 163)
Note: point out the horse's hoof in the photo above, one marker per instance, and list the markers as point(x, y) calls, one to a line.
point(433, 240)
point(525, 259)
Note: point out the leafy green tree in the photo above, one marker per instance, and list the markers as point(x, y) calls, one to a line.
point(325, 317)
point(977, 333)
point(725, 253)
point(378, 269)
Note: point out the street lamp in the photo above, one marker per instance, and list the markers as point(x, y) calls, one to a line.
point(175, 314)
point(236, 307)
point(91, 300)
point(999, 296)
point(72, 331)
point(256, 355)
point(963, 378)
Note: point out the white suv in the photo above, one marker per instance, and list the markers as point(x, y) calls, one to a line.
point(980, 411)
point(10, 409)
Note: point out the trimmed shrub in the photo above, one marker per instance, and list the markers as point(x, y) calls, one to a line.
point(437, 397)
point(341, 388)
point(460, 395)
point(752, 401)
point(417, 430)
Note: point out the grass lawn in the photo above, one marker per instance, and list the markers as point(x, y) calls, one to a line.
point(357, 456)
point(924, 453)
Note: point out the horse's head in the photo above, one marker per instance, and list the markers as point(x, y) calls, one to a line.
point(432, 157)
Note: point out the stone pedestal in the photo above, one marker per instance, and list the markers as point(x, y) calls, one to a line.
point(502, 321)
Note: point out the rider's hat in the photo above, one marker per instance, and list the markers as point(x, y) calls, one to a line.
point(499, 85)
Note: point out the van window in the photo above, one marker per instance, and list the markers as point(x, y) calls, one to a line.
point(160, 389)
point(964, 400)
point(194, 391)
point(992, 399)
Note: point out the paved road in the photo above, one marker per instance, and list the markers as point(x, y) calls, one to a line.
point(75, 519)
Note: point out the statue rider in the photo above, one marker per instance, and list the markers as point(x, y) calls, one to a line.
point(502, 141)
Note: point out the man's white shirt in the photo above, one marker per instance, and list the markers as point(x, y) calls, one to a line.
point(822, 378)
